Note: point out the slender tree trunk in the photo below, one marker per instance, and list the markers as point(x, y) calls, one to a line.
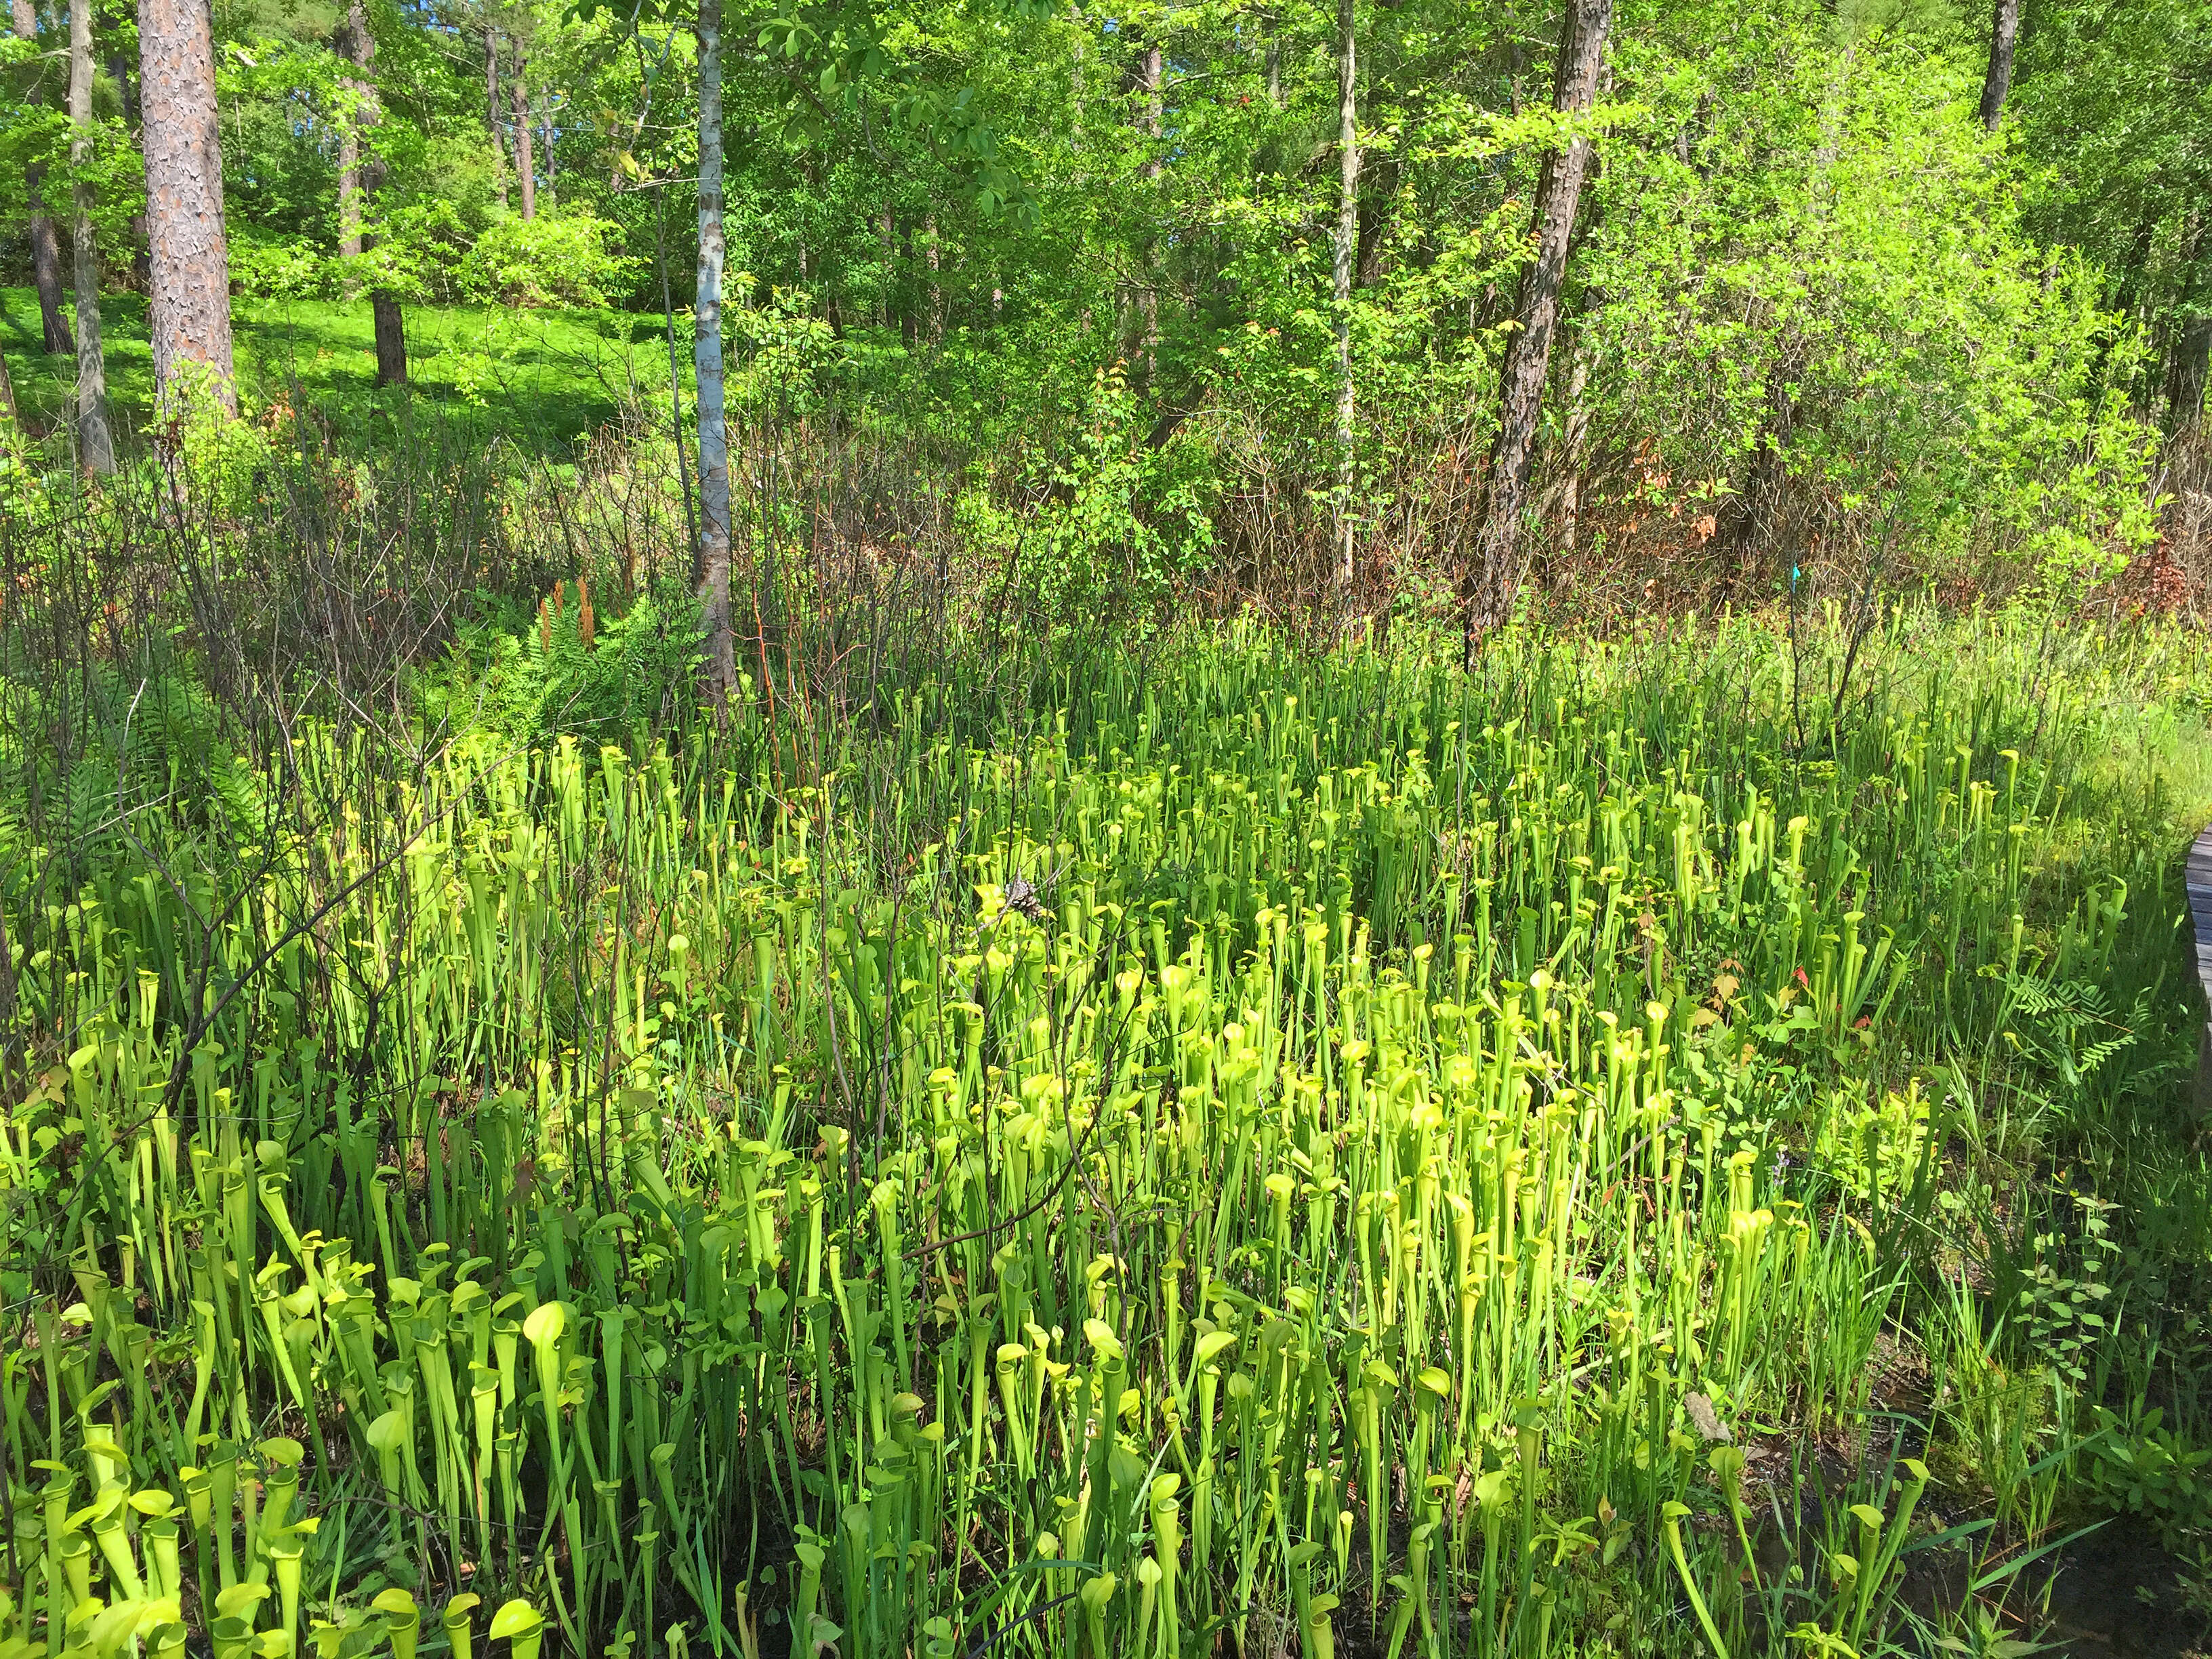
point(6, 401)
point(887, 311)
point(712, 565)
point(354, 47)
point(190, 312)
point(2004, 35)
point(2192, 361)
point(45, 246)
point(95, 442)
point(1075, 82)
point(2192, 350)
point(1149, 77)
point(936, 296)
point(524, 168)
point(1347, 255)
point(358, 47)
point(1495, 582)
point(549, 167)
point(124, 72)
point(1577, 445)
point(46, 265)
point(491, 115)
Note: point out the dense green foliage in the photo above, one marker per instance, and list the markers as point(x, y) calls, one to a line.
point(1132, 1072)
point(1817, 318)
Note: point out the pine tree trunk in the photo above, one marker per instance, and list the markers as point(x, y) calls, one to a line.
point(524, 168)
point(2004, 35)
point(1347, 254)
point(95, 442)
point(190, 312)
point(712, 560)
point(1490, 589)
point(491, 115)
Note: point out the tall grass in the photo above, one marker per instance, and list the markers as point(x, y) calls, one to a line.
point(1218, 1149)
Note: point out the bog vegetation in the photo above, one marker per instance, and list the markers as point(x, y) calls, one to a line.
point(1340, 830)
point(1128, 1144)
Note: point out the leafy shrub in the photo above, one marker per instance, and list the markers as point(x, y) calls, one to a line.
point(567, 259)
point(418, 251)
point(264, 267)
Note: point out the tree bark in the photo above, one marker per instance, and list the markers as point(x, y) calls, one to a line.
point(189, 310)
point(45, 246)
point(711, 565)
point(46, 265)
point(1347, 255)
point(519, 97)
point(491, 115)
point(95, 442)
point(6, 400)
point(391, 339)
point(2004, 35)
point(1491, 588)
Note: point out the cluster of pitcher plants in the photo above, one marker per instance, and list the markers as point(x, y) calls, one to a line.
point(1297, 1155)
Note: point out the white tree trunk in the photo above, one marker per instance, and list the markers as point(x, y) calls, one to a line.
point(712, 563)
